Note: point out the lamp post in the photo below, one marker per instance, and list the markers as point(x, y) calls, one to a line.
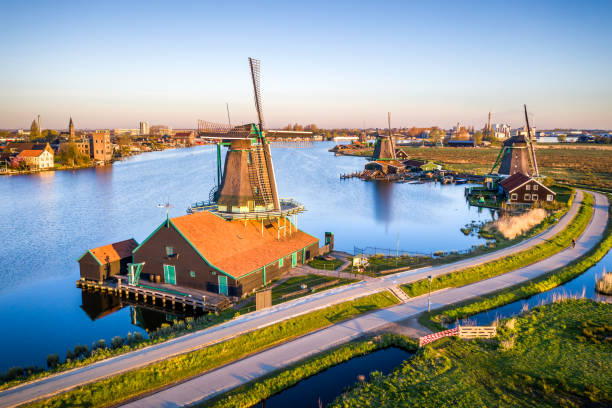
point(429, 296)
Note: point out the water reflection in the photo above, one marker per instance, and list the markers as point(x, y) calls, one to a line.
point(382, 195)
point(98, 305)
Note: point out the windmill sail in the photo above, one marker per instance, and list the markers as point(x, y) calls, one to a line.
point(531, 148)
point(255, 74)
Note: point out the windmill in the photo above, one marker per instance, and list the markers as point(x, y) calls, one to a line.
point(385, 146)
point(247, 184)
point(517, 154)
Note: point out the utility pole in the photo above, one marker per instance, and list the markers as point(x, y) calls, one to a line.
point(429, 296)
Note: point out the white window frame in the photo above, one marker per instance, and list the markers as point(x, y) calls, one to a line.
point(534, 197)
point(549, 197)
point(528, 187)
point(513, 196)
point(535, 186)
point(527, 197)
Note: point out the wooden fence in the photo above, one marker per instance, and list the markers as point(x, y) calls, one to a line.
point(464, 332)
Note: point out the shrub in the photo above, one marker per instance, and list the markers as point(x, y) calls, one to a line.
point(53, 360)
point(117, 342)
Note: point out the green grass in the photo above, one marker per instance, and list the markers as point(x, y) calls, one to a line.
point(435, 319)
point(554, 356)
point(320, 263)
point(121, 387)
point(253, 393)
point(293, 285)
point(563, 193)
point(477, 273)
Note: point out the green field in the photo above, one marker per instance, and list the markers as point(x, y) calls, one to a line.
point(558, 355)
point(579, 165)
point(118, 388)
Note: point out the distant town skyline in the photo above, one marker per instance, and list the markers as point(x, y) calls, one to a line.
point(115, 64)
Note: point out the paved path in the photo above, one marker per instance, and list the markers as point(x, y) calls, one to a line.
point(252, 321)
point(230, 376)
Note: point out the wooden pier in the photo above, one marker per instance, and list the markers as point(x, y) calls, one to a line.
point(158, 296)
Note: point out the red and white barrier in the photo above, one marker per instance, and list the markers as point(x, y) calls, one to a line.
point(435, 336)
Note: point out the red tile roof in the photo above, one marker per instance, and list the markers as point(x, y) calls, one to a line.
point(114, 252)
point(31, 153)
point(236, 248)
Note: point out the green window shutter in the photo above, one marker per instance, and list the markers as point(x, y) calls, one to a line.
point(280, 262)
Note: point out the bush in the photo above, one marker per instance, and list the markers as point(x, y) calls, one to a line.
point(117, 342)
point(81, 351)
point(53, 360)
point(13, 373)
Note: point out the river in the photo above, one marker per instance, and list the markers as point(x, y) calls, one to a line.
point(50, 219)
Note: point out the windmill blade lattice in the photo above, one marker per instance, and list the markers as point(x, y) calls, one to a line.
point(254, 64)
point(213, 130)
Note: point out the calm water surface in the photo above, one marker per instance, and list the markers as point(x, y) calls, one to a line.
point(328, 384)
point(49, 220)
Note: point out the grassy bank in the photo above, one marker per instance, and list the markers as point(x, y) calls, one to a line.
point(253, 393)
point(121, 387)
point(477, 273)
point(437, 318)
point(556, 355)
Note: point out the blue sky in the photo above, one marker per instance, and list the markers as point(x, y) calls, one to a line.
point(112, 64)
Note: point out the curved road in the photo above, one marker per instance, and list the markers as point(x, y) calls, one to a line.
point(316, 342)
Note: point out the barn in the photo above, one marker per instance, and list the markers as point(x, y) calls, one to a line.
point(206, 252)
point(101, 263)
point(522, 189)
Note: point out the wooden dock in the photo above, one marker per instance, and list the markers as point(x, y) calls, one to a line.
point(158, 296)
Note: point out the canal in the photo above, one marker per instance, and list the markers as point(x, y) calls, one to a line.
point(50, 219)
point(327, 385)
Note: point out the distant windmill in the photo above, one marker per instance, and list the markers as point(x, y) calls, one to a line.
point(517, 154)
point(385, 146)
point(247, 182)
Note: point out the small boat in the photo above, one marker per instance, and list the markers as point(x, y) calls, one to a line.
point(460, 181)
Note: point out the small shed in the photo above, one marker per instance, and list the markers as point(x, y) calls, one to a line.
point(101, 263)
point(431, 166)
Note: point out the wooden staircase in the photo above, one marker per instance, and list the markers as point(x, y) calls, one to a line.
point(399, 293)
